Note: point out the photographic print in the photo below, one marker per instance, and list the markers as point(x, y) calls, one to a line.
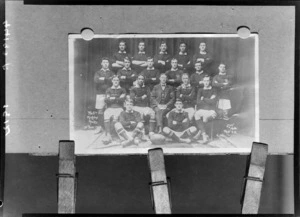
point(185, 93)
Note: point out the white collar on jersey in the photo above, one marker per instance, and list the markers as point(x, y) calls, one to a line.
point(185, 86)
point(199, 73)
point(105, 70)
point(118, 87)
point(207, 88)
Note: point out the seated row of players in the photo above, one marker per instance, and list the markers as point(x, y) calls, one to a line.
point(147, 100)
point(162, 60)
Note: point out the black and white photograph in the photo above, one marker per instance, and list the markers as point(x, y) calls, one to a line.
point(133, 109)
point(186, 93)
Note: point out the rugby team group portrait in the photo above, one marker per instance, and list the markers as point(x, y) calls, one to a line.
point(166, 91)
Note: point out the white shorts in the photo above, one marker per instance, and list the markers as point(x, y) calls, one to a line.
point(206, 114)
point(144, 111)
point(224, 104)
point(112, 112)
point(190, 111)
point(100, 101)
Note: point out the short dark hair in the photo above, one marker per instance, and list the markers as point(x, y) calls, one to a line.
point(178, 100)
point(122, 41)
point(207, 76)
point(127, 58)
point(163, 74)
point(186, 74)
point(128, 99)
point(174, 59)
point(141, 75)
point(115, 76)
point(163, 42)
point(104, 58)
point(182, 42)
point(150, 58)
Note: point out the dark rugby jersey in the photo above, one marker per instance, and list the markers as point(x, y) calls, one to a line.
point(119, 56)
point(207, 59)
point(188, 95)
point(148, 75)
point(117, 102)
point(176, 75)
point(177, 116)
point(183, 59)
point(130, 75)
point(140, 56)
point(218, 82)
point(102, 85)
point(127, 116)
point(164, 57)
point(207, 103)
point(196, 77)
point(136, 94)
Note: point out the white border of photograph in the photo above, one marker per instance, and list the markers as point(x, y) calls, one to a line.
point(169, 151)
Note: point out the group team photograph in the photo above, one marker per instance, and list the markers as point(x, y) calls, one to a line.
point(190, 92)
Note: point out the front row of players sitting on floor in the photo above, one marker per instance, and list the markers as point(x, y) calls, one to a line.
point(150, 106)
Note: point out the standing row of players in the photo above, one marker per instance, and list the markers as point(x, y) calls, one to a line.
point(162, 60)
point(150, 96)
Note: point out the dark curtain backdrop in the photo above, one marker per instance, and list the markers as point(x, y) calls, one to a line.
point(236, 53)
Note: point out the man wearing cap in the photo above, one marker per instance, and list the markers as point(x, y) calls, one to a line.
point(179, 128)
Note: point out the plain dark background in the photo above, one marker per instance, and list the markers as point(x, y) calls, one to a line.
point(119, 184)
